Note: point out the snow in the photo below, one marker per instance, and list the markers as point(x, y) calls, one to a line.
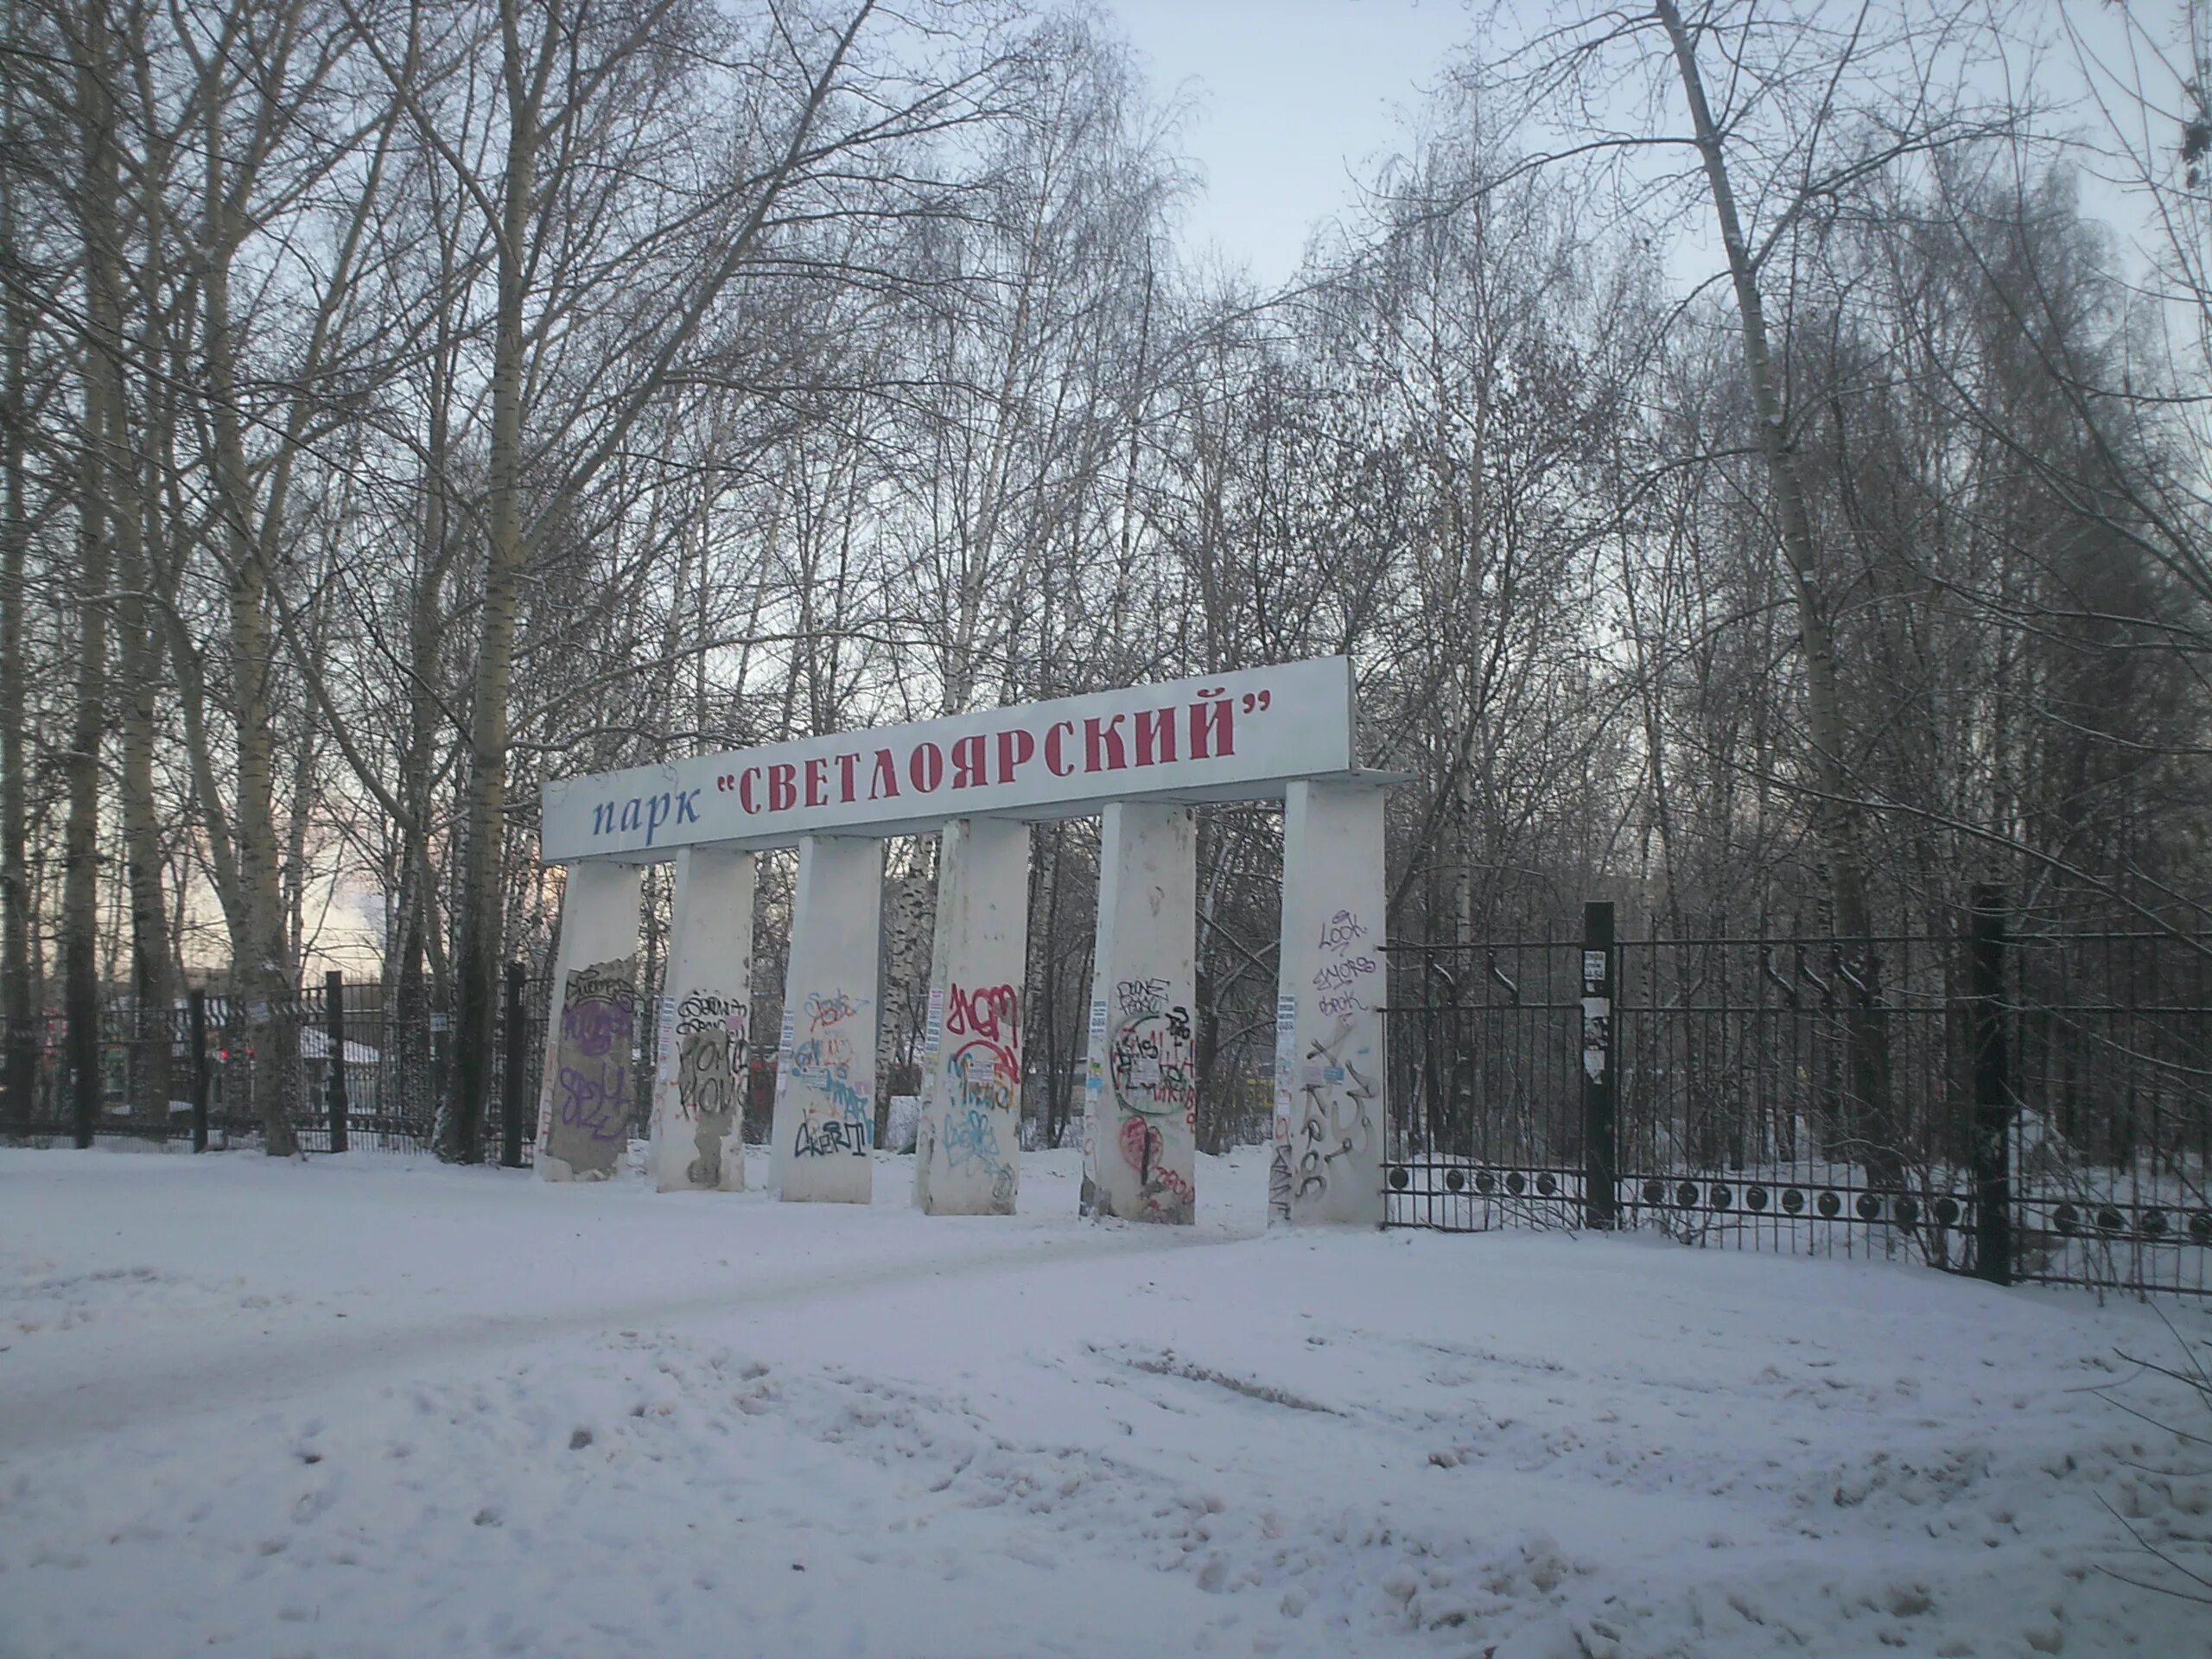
point(368, 1405)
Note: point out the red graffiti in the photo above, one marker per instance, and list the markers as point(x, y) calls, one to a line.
point(828, 1010)
point(993, 1012)
point(1142, 1149)
point(981, 1073)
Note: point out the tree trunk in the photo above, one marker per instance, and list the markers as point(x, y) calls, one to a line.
point(139, 658)
point(101, 346)
point(1839, 821)
point(461, 1126)
point(260, 966)
point(19, 988)
point(139, 633)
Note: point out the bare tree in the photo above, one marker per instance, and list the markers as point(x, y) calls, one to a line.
point(814, 115)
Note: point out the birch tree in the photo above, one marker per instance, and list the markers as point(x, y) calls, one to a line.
point(807, 112)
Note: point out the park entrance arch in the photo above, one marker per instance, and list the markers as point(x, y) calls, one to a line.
point(1141, 759)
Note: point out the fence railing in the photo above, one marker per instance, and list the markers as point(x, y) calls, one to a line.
point(2017, 1104)
point(357, 1064)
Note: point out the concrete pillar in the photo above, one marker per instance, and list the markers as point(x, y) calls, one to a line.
point(825, 1073)
point(1330, 1116)
point(698, 1135)
point(584, 1102)
point(1139, 1110)
point(968, 1153)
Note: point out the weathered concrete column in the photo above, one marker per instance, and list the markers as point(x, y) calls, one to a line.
point(698, 1136)
point(1330, 1117)
point(1139, 1110)
point(584, 1102)
point(968, 1154)
point(825, 1073)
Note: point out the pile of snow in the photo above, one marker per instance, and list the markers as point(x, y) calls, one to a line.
point(904, 1123)
point(366, 1406)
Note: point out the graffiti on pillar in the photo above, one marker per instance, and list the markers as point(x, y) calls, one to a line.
point(588, 1123)
point(824, 1137)
point(1164, 1193)
point(991, 1012)
point(1152, 1065)
point(1279, 1174)
point(835, 1115)
point(1335, 1123)
point(814, 1055)
point(1094, 1089)
point(830, 1010)
point(1333, 1087)
point(1346, 973)
point(710, 1066)
point(1138, 996)
point(1279, 1178)
point(983, 1085)
point(971, 1140)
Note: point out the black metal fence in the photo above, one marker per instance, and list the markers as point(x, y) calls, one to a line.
point(358, 1065)
point(2020, 1103)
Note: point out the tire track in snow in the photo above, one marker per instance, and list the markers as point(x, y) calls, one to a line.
point(237, 1371)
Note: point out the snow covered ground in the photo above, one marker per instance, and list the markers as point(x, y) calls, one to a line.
point(369, 1406)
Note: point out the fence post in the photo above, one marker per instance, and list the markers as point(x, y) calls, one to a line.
point(1600, 1055)
point(197, 1019)
point(517, 1044)
point(1992, 1139)
point(334, 1025)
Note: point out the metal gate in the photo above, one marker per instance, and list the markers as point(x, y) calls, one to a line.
point(2019, 1104)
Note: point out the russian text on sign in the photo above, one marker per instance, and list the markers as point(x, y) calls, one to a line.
point(1237, 735)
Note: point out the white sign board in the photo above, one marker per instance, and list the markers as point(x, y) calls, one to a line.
point(1236, 736)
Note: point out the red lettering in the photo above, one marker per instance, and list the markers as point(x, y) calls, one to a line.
point(1102, 747)
point(818, 781)
point(848, 783)
point(993, 1012)
point(1211, 734)
point(783, 787)
point(925, 766)
point(884, 786)
point(970, 768)
point(1016, 749)
point(1053, 756)
point(1155, 737)
point(746, 780)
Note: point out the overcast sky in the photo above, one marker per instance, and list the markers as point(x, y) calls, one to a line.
point(1295, 98)
point(1294, 101)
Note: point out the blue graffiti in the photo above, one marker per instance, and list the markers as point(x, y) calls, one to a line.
point(970, 1138)
point(849, 1102)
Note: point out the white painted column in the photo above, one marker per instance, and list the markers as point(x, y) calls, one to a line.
point(700, 1076)
point(586, 1095)
point(1330, 1116)
point(1140, 1104)
point(825, 1071)
point(968, 1153)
